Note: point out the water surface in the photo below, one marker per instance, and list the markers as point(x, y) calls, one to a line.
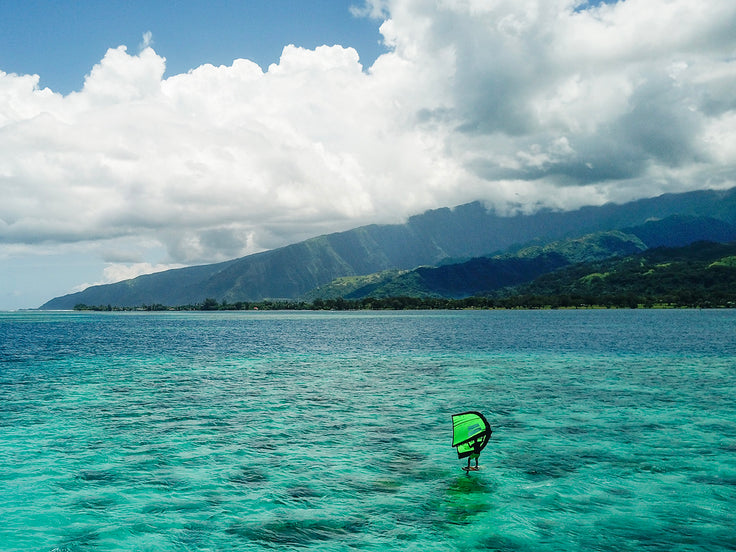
point(613, 430)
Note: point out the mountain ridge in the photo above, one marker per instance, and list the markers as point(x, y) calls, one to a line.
point(466, 231)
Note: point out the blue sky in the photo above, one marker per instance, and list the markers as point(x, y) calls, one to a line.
point(141, 136)
point(61, 40)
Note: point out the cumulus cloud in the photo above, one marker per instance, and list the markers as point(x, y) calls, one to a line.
point(536, 103)
point(117, 272)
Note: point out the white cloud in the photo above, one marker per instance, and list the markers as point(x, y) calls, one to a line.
point(117, 272)
point(540, 102)
point(376, 9)
point(146, 41)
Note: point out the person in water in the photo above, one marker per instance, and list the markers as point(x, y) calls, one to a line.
point(473, 456)
point(470, 434)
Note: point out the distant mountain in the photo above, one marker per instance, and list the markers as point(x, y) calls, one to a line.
point(478, 276)
point(466, 231)
point(680, 230)
point(599, 245)
point(353, 286)
point(482, 275)
point(702, 273)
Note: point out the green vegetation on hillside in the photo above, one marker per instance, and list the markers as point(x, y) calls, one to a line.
point(430, 240)
point(482, 276)
point(701, 275)
point(346, 286)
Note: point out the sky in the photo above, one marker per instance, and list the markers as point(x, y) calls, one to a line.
point(139, 136)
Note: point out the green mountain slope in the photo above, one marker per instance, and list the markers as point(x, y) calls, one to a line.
point(475, 277)
point(701, 273)
point(463, 232)
point(599, 245)
point(680, 230)
point(481, 275)
point(352, 286)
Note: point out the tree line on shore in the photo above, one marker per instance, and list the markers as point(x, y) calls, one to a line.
point(627, 301)
point(701, 275)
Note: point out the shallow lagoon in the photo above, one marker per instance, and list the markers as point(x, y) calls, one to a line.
point(613, 430)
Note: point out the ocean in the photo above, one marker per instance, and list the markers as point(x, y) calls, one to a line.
point(613, 430)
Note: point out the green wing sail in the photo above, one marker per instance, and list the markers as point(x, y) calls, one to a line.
point(470, 433)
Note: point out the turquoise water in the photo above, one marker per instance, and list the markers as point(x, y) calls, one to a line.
point(612, 430)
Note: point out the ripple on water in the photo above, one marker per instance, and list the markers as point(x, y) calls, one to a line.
point(99, 476)
point(613, 431)
point(249, 476)
point(298, 531)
